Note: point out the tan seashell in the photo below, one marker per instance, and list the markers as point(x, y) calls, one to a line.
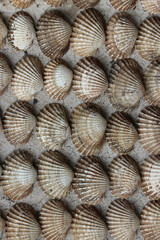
point(57, 79)
point(53, 126)
point(27, 78)
point(2, 225)
point(89, 80)
point(121, 36)
point(55, 3)
point(88, 128)
point(91, 181)
point(3, 31)
point(153, 7)
point(87, 224)
point(88, 32)
point(125, 84)
point(84, 4)
point(123, 5)
point(21, 3)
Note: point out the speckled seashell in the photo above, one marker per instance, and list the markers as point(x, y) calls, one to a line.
point(84, 4)
point(2, 225)
point(151, 6)
point(87, 224)
point(21, 31)
point(90, 181)
point(53, 126)
point(21, 3)
point(124, 176)
point(88, 128)
point(121, 134)
point(53, 34)
point(55, 3)
point(125, 84)
point(88, 32)
point(18, 176)
point(55, 220)
point(54, 174)
point(27, 78)
point(121, 36)
point(89, 80)
point(123, 5)
point(57, 79)
point(3, 31)
point(19, 123)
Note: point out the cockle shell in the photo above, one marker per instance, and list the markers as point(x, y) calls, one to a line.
point(55, 3)
point(21, 3)
point(153, 7)
point(84, 4)
point(88, 32)
point(89, 79)
point(88, 128)
point(3, 31)
point(123, 5)
point(90, 181)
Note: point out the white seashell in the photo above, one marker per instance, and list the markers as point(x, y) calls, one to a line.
point(3, 31)
point(21, 3)
point(84, 4)
point(123, 5)
point(151, 6)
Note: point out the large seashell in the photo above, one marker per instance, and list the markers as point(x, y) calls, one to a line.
point(124, 176)
point(52, 126)
point(91, 181)
point(55, 3)
point(153, 7)
point(125, 84)
point(89, 79)
point(57, 79)
point(27, 78)
point(21, 31)
point(121, 36)
point(88, 32)
point(123, 5)
point(18, 176)
point(21, 223)
point(21, 3)
point(19, 123)
point(122, 220)
point(53, 34)
point(88, 128)
point(55, 220)
point(84, 4)
point(3, 31)
point(121, 134)
point(87, 224)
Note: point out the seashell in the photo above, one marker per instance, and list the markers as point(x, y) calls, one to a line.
point(18, 214)
point(87, 224)
point(84, 4)
point(88, 32)
point(123, 5)
point(21, 3)
point(27, 78)
point(18, 176)
point(153, 7)
point(55, 3)
point(53, 126)
point(121, 134)
point(53, 34)
point(124, 176)
point(149, 129)
point(91, 181)
point(19, 123)
point(88, 128)
point(89, 80)
point(125, 84)
point(3, 31)
point(57, 79)
point(1, 127)
point(2, 225)
point(21, 31)
point(55, 220)
point(122, 220)
point(121, 36)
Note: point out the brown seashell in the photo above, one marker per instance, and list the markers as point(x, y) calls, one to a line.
point(22, 3)
point(2, 225)
point(84, 4)
point(55, 3)
point(3, 31)
point(153, 7)
point(123, 5)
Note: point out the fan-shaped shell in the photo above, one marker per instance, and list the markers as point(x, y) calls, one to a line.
point(153, 7)
point(3, 31)
point(84, 4)
point(21, 3)
point(89, 79)
point(55, 3)
point(88, 128)
point(123, 5)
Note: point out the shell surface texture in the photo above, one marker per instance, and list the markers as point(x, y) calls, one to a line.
point(123, 5)
point(84, 4)
point(21, 3)
point(2, 225)
point(153, 7)
point(3, 31)
point(55, 3)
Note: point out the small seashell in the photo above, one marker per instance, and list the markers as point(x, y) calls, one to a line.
point(91, 181)
point(153, 7)
point(88, 128)
point(27, 78)
point(88, 32)
point(2, 225)
point(121, 36)
point(89, 80)
point(53, 126)
point(3, 31)
point(123, 5)
point(55, 3)
point(21, 3)
point(84, 4)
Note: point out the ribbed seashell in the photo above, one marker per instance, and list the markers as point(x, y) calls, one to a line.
point(123, 5)
point(27, 78)
point(122, 220)
point(125, 84)
point(121, 134)
point(53, 34)
point(124, 176)
point(19, 123)
point(2, 225)
point(21, 3)
point(18, 176)
point(88, 128)
point(89, 80)
point(84, 4)
point(55, 3)
point(3, 31)
point(87, 224)
point(57, 79)
point(55, 220)
point(22, 223)
point(53, 126)
point(90, 181)
point(88, 32)
point(153, 7)
point(149, 129)
point(121, 36)
point(21, 32)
